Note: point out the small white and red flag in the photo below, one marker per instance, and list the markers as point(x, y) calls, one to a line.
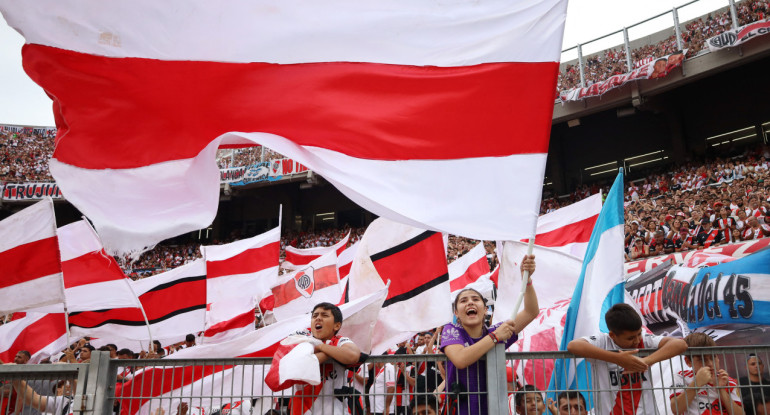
point(41, 334)
point(229, 319)
point(297, 258)
point(468, 269)
point(568, 229)
point(93, 280)
point(30, 263)
point(244, 268)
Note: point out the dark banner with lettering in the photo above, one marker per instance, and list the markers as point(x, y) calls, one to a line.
point(656, 68)
point(647, 290)
point(737, 36)
point(30, 191)
point(734, 292)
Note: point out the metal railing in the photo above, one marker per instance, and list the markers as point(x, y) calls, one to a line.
point(230, 386)
point(665, 26)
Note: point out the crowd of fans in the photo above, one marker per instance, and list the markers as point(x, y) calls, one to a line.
point(603, 65)
point(24, 156)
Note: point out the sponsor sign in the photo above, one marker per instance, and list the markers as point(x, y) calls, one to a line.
point(656, 68)
point(31, 191)
point(738, 36)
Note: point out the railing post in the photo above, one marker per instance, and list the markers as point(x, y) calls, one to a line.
point(734, 14)
point(677, 29)
point(627, 45)
point(497, 386)
point(580, 66)
point(100, 387)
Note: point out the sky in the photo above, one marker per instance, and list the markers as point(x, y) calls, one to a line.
point(22, 102)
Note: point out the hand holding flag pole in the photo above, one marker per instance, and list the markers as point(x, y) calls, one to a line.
point(524, 281)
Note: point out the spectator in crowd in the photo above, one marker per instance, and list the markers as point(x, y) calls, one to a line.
point(466, 341)
point(58, 404)
point(22, 357)
point(706, 386)
point(613, 358)
point(708, 237)
point(424, 405)
point(337, 351)
point(569, 403)
point(527, 401)
point(755, 388)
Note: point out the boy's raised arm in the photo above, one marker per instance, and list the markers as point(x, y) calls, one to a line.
point(625, 359)
point(667, 348)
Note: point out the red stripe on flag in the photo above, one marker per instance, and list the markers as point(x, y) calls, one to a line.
point(247, 262)
point(495, 276)
point(322, 278)
point(239, 321)
point(298, 259)
point(412, 264)
point(29, 262)
point(184, 295)
point(579, 231)
point(154, 382)
point(474, 271)
point(453, 112)
point(91, 268)
point(36, 336)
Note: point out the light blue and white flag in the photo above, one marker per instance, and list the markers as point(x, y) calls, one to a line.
point(599, 287)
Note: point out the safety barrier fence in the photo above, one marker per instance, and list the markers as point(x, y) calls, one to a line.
point(390, 384)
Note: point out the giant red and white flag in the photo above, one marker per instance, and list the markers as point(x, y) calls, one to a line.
point(174, 301)
point(401, 104)
point(568, 229)
point(93, 280)
point(167, 386)
point(298, 292)
point(245, 268)
point(414, 261)
point(42, 335)
point(297, 258)
point(468, 269)
point(30, 263)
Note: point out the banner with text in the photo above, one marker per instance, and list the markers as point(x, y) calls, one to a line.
point(656, 68)
point(737, 36)
point(266, 171)
point(30, 191)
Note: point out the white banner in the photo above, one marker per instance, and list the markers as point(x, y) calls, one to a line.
point(738, 36)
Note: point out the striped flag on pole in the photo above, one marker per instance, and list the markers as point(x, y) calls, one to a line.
point(30, 263)
point(400, 104)
point(414, 261)
point(297, 258)
point(599, 287)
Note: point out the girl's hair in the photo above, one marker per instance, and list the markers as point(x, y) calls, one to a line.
point(454, 304)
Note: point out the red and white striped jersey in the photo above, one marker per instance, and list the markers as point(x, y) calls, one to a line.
point(707, 400)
